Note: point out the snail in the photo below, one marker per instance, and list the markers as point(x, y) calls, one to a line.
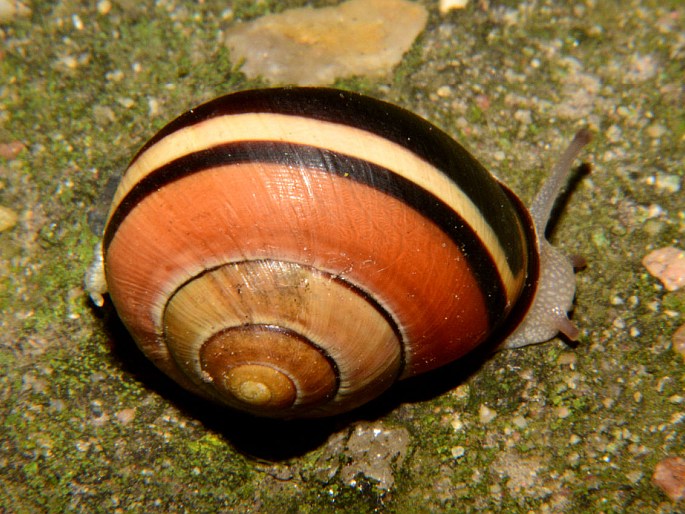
point(292, 252)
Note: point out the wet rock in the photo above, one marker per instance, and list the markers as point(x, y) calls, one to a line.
point(328, 464)
point(375, 453)
point(372, 452)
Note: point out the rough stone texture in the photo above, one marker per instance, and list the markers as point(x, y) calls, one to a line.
point(370, 453)
point(374, 452)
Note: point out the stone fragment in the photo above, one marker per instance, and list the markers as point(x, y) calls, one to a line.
point(10, 150)
point(668, 265)
point(309, 46)
point(669, 476)
point(449, 5)
point(486, 415)
point(8, 218)
point(679, 341)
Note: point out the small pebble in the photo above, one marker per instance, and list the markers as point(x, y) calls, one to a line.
point(69, 62)
point(667, 182)
point(8, 218)
point(449, 5)
point(77, 22)
point(668, 265)
point(444, 91)
point(679, 341)
point(669, 476)
point(10, 150)
point(483, 102)
point(563, 412)
point(457, 424)
point(486, 414)
point(125, 416)
point(656, 130)
point(10, 9)
point(520, 422)
point(614, 134)
point(634, 476)
point(104, 6)
point(641, 68)
point(126, 102)
point(99, 421)
point(458, 451)
point(524, 116)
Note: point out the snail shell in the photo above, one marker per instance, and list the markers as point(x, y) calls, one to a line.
point(292, 252)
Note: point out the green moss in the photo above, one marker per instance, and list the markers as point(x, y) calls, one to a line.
point(674, 301)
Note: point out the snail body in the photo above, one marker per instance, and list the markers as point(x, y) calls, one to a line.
point(292, 252)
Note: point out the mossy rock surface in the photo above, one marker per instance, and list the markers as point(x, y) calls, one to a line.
point(86, 424)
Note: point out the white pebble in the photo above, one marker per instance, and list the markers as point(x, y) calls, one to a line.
point(458, 451)
point(444, 91)
point(104, 6)
point(76, 20)
point(486, 414)
point(449, 5)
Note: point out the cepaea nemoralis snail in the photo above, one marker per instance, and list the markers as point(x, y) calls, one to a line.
point(292, 252)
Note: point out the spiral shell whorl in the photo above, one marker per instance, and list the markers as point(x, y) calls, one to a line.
point(264, 368)
point(281, 337)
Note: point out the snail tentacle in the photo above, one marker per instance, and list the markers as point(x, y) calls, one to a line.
point(555, 286)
